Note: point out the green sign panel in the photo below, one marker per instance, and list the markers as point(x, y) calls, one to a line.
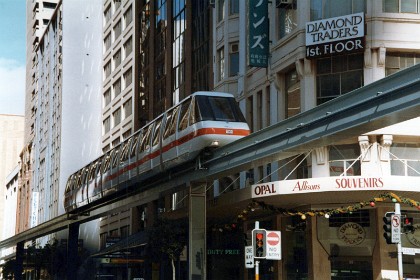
point(258, 33)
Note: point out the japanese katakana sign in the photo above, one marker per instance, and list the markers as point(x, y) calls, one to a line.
point(258, 33)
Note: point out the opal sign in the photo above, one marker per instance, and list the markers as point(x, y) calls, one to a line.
point(336, 35)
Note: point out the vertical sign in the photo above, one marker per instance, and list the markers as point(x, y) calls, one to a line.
point(273, 247)
point(249, 257)
point(34, 209)
point(258, 39)
point(396, 228)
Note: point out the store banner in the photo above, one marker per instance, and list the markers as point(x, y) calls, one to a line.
point(336, 35)
point(258, 40)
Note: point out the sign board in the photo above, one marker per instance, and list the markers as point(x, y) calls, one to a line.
point(249, 257)
point(273, 245)
point(410, 251)
point(258, 38)
point(336, 35)
point(334, 184)
point(395, 228)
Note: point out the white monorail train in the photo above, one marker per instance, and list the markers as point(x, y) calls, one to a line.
point(202, 120)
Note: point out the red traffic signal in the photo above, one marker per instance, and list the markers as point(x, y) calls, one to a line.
point(259, 243)
point(408, 225)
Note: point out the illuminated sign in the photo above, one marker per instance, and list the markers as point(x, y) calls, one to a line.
point(335, 35)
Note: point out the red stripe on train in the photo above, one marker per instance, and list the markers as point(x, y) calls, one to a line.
point(182, 140)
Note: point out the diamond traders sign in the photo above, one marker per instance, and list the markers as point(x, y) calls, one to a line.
point(336, 35)
point(258, 33)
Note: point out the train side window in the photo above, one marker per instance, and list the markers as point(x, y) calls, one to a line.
point(184, 115)
point(115, 157)
point(170, 127)
point(194, 117)
point(145, 142)
point(135, 144)
point(92, 170)
point(69, 185)
point(106, 163)
point(156, 134)
point(124, 151)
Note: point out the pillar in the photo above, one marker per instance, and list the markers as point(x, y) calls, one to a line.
point(72, 251)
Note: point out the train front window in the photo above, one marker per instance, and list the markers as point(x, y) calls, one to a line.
point(219, 109)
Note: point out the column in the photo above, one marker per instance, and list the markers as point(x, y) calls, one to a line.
point(72, 251)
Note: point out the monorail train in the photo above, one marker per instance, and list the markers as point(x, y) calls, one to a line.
point(203, 120)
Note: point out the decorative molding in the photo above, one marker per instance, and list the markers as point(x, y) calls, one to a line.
point(386, 142)
point(320, 154)
point(368, 57)
point(381, 56)
point(364, 147)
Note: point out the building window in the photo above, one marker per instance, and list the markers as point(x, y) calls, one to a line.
point(107, 42)
point(128, 77)
point(117, 30)
point(286, 19)
point(233, 59)
point(395, 62)
point(338, 75)
point(107, 97)
point(107, 125)
point(116, 117)
point(128, 108)
point(107, 69)
point(117, 59)
point(220, 10)
point(233, 7)
point(322, 9)
point(400, 6)
point(117, 88)
point(344, 160)
point(221, 64)
point(292, 92)
point(128, 16)
point(405, 159)
point(107, 14)
point(117, 4)
point(128, 47)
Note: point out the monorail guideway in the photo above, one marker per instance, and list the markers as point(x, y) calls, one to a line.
point(393, 99)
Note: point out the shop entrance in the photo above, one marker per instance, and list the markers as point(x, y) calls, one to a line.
point(350, 269)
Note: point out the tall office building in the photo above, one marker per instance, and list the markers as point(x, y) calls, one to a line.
point(63, 97)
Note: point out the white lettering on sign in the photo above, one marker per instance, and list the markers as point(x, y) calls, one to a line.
point(334, 184)
point(273, 245)
point(335, 35)
point(335, 29)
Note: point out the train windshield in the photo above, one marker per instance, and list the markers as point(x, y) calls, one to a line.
point(217, 108)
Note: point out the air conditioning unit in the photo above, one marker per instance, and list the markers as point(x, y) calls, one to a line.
point(288, 4)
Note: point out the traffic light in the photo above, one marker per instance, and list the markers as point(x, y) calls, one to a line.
point(388, 227)
point(408, 225)
point(259, 243)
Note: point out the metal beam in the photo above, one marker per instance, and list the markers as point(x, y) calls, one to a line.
point(386, 102)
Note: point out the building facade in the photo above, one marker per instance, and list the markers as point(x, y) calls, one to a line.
point(312, 52)
point(11, 139)
point(63, 97)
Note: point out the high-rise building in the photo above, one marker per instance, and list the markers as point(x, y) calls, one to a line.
point(63, 97)
point(11, 143)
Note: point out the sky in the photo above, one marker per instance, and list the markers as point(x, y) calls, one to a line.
point(12, 56)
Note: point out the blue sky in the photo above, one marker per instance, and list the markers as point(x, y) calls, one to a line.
point(12, 56)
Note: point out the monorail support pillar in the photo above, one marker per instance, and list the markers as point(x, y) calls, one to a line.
point(19, 260)
point(197, 265)
point(72, 251)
